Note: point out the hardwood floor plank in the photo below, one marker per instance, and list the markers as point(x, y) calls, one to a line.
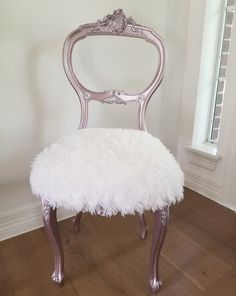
point(98, 253)
point(198, 265)
point(208, 224)
point(5, 286)
point(107, 257)
point(25, 269)
point(23, 278)
point(226, 286)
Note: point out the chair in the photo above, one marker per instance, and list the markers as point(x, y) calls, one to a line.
point(108, 171)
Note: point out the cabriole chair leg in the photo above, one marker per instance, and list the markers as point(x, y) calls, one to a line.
point(143, 226)
point(51, 226)
point(76, 221)
point(161, 218)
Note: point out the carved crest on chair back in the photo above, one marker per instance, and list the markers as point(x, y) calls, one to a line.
point(116, 22)
point(114, 98)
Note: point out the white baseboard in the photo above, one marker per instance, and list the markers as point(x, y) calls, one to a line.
point(207, 187)
point(203, 185)
point(24, 219)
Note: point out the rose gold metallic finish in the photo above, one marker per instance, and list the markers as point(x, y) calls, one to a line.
point(113, 25)
point(159, 232)
point(143, 226)
point(50, 224)
point(76, 221)
point(108, 26)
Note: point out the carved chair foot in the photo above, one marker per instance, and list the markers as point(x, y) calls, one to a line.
point(58, 279)
point(143, 226)
point(51, 227)
point(76, 221)
point(161, 218)
point(155, 286)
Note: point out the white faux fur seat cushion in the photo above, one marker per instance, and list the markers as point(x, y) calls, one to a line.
point(107, 171)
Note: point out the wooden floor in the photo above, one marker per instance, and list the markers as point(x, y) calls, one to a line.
point(107, 258)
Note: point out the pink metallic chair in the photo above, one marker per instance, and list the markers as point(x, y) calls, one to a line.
point(109, 171)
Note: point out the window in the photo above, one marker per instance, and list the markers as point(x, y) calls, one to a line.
point(221, 69)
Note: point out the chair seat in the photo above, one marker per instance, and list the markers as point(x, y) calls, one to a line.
point(106, 171)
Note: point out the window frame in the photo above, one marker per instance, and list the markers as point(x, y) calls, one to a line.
point(228, 6)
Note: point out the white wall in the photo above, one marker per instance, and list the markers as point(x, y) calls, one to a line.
point(37, 102)
point(218, 183)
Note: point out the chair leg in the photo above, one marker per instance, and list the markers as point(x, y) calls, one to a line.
point(161, 218)
point(143, 226)
point(51, 226)
point(76, 221)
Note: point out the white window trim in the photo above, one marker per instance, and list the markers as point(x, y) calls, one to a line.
point(205, 155)
point(228, 7)
point(201, 152)
point(217, 67)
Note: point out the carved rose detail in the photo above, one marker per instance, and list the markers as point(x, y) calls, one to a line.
point(164, 215)
point(116, 22)
point(114, 100)
point(46, 210)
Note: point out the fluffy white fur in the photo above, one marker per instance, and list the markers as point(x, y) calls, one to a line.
point(106, 171)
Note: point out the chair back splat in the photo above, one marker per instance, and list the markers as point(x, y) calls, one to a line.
point(116, 24)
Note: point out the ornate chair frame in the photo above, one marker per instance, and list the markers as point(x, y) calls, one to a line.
point(114, 24)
